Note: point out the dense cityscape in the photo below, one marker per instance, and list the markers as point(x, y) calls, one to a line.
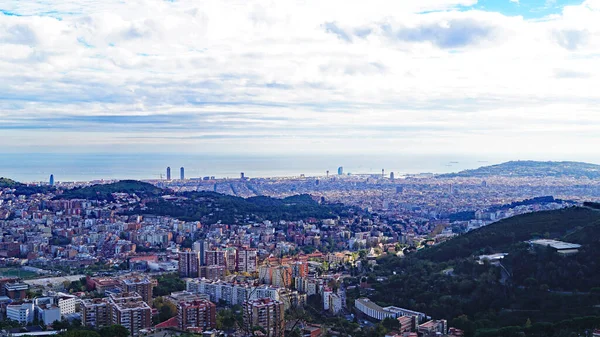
point(111, 256)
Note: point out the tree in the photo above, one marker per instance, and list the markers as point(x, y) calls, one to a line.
point(114, 331)
point(390, 324)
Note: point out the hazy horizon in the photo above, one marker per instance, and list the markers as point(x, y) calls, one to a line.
point(97, 166)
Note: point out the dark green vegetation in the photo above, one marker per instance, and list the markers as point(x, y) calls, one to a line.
point(166, 310)
point(211, 207)
point(105, 191)
point(167, 284)
point(533, 169)
point(594, 205)
point(534, 292)
point(22, 189)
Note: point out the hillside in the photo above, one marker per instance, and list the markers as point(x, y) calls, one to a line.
point(500, 235)
point(211, 207)
point(105, 191)
point(22, 189)
point(558, 294)
point(532, 169)
point(8, 183)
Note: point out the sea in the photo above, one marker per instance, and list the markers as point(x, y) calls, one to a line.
point(37, 167)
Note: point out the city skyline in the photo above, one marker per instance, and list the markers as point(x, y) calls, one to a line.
point(438, 76)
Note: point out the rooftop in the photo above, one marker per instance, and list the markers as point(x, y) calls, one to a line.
point(558, 245)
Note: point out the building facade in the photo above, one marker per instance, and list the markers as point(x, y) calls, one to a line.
point(266, 314)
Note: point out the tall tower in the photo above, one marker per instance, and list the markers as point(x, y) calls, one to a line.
point(340, 170)
point(182, 173)
point(242, 176)
point(392, 176)
point(382, 173)
point(327, 173)
point(52, 180)
point(168, 173)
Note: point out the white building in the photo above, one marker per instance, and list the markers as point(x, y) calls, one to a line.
point(66, 303)
point(326, 298)
point(22, 313)
point(48, 314)
point(335, 303)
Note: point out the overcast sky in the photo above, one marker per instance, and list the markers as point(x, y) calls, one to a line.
point(309, 76)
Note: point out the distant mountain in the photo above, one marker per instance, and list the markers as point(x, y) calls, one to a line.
point(105, 191)
point(532, 169)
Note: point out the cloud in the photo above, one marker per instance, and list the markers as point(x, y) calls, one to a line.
point(332, 27)
point(453, 33)
point(571, 39)
point(430, 75)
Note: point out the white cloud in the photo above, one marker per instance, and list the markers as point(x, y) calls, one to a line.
point(419, 75)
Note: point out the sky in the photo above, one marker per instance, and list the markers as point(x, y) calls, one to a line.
point(508, 77)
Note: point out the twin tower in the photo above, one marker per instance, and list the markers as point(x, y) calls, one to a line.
point(181, 173)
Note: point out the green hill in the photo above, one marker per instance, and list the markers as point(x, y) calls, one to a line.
point(532, 169)
point(9, 183)
point(105, 191)
point(22, 189)
point(556, 293)
point(211, 207)
point(500, 235)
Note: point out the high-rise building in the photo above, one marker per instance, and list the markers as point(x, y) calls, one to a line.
point(141, 285)
point(130, 311)
point(265, 313)
point(340, 170)
point(189, 264)
point(242, 176)
point(215, 258)
point(182, 173)
point(382, 173)
point(168, 173)
point(231, 259)
point(201, 247)
point(51, 180)
point(196, 314)
point(392, 176)
point(212, 272)
point(95, 312)
point(247, 260)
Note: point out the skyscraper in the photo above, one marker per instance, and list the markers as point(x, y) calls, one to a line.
point(382, 173)
point(52, 180)
point(182, 173)
point(168, 173)
point(340, 170)
point(391, 175)
point(242, 176)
